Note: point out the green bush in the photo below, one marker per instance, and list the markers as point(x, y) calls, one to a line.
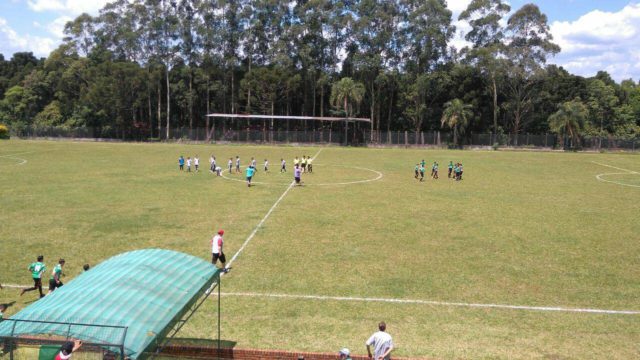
point(4, 132)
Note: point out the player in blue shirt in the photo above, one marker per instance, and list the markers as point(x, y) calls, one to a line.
point(181, 162)
point(250, 172)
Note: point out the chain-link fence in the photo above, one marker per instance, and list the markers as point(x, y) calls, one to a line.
point(354, 136)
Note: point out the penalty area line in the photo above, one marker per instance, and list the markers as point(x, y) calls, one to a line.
point(436, 303)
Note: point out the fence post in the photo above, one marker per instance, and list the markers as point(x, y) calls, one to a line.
point(406, 138)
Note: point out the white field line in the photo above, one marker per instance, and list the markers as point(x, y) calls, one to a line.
point(379, 176)
point(599, 177)
point(18, 153)
point(14, 157)
point(417, 302)
point(253, 233)
point(617, 168)
point(436, 303)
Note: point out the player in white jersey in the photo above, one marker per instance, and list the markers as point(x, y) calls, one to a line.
point(217, 253)
point(266, 165)
point(196, 162)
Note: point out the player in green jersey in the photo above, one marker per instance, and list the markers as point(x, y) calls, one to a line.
point(55, 281)
point(417, 170)
point(450, 168)
point(421, 172)
point(37, 269)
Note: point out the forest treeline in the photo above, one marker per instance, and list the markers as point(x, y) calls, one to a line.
point(161, 64)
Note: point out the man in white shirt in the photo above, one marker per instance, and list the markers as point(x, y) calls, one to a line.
point(381, 342)
point(216, 250)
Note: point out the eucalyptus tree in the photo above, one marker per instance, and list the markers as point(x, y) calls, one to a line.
point(486, 36)
point(426, 31)
point(528, 44)
point(374, 35)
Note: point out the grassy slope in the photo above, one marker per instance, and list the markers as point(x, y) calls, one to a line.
point(522, 228)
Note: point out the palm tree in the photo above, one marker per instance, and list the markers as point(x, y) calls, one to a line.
point(568, 120)
point(456, 116)
point(345, 93)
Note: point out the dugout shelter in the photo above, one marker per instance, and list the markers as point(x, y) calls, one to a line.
point(129, 305)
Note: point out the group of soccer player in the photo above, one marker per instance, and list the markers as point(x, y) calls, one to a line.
point(455, 170)
point(301, 165)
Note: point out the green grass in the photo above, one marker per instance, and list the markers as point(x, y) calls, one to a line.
point(522, 228)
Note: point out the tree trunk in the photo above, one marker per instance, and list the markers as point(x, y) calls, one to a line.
point(168, 102)
point(190, 99)
point(495, 104)
point(149, 102)
point(159, 108)
point(206, 125)
point(373, 107)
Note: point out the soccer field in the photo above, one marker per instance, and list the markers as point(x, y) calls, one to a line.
point(510, 262)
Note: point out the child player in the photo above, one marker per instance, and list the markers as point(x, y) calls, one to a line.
point(450, 168)
point(196, 162)
point(250, 171)
point(283, 166)
point(417, 171)
point(266, 165)
point(237, 164)
point(296, 174)
point(309, 166)
point(434, 170)
point(181, 162)
point(188, 164)
point(230, 165)
point(304, 163)
point(421, 172)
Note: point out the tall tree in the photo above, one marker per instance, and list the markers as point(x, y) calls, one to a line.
point(486, 36)
point(529, 43)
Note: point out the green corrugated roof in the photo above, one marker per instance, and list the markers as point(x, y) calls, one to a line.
point(145, 291)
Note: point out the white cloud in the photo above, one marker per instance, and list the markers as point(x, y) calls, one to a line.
point(68, 7)
point(601, 40)
point(457, 6)
point(11, 42)
point(56, 27)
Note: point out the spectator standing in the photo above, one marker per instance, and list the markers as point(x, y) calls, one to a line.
point(381, 342)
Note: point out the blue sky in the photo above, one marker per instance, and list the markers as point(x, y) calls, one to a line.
point(594, 35)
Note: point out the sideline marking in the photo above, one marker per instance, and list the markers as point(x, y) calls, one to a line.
point(599, 177)
point(378, 173)
point(418, 302)
point(253, 233)
point(438, 303)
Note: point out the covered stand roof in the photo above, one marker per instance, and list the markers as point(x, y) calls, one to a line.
point(132, 299)
point(280, 117)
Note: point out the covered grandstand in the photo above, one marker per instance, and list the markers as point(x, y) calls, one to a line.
point(130, 305)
